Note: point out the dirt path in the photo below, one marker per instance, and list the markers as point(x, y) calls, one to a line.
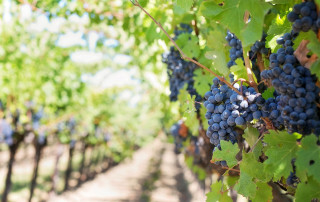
point(154, 173)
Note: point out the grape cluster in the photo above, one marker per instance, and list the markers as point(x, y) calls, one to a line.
point(178, 139)
point(236, 48)
point(36, 117)
point(106, 136)
point(236, 52)
point(6, 132)
point(304, 17)
point(296, 89)
point(293, 180)
point(194, 149)
point(259, 47)
point(42, 138)
point(227, 109)
point(183, 28)
point(180, 72)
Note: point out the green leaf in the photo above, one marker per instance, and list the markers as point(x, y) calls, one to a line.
point(210, 9)
point(252, 135)
point(232, 180)
point(143, 3)
point(218, 61)
point(280, 25)
point(272, 42)
point(315, 68)
point(252, 167)
point(228, 153)
point(308, 191)
point(263, 193)
point(305, 36)
point(268, 93)
point(218, 193)
point(189, 161)
point(185, 4)
point(308, 157)
point(218, 54)
point(216, 39)
point(314, 44)
point(189, 45)
point(281, 149)
point(203, 111)
point(201, 173)
point(233, 14)
point(240, 71)
point(246, 186)
point(202, 81)
point(188, 109)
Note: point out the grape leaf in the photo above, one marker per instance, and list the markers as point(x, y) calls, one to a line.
point(315, 68)
point(201, 173)
point(232, 15)
point(210, 9)
point(252, 167)
point(189, 45)
point(268, 93)
point(308, 157)
point(185, 4)
point(143, 3)
point(279, 26)
point(202, 81)
point(308, 191)
point(228, 153)
point(189, 161)
point(218, 193)
point(219, 61)
point(240, 71)
point(314, 44)
point(217, 43)
point(264, 192)
point(252, 135)
point(281, 149)
point(232, 180)
point(246, 186)
point(188, 109)
point(203, 111)
point(216, 39)
point(272, 42)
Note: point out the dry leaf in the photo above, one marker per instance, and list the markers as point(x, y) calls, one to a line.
point(302, 52)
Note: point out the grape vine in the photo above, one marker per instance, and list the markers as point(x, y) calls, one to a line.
point(248, 113)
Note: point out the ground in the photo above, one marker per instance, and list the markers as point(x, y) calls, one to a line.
point(154, 173)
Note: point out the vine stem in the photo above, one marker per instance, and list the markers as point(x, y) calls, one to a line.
point(260, 62)
point(247, 60)
point(235, 170)
point(226, 168)
point(242, 80)
point(183, 55)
